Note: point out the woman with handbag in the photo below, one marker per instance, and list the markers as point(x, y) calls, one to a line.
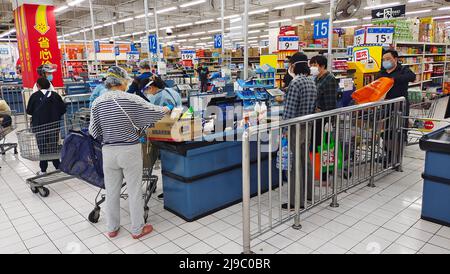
point(120, 118)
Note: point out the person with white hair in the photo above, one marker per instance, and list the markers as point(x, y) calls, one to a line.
point(140, 81)
point(119, 118)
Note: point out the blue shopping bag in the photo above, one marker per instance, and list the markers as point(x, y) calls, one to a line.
point(81, 156)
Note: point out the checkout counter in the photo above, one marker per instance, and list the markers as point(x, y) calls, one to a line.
point(436, 185)
point(205, 176)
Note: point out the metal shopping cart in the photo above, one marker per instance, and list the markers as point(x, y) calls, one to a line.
point(9, 127)
point(149, 182)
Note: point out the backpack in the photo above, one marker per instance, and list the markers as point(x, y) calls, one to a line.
point(81, 156)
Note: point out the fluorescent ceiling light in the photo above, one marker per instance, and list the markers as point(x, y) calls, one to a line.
point(205, 38)
point(74, 3)
point(258, 11)
point(184, 35)
point(184, 25)
point(98, 27)
point(415, 1)
point(181, 40)
point(254, 31)
point(367, 25)
point(59, 9)
point(280, 21)
point(444, 8)
point(124, 35)
point(253, 37)
point(289, 6)
point(228, 17)
point(236, 27)
point(137, 33)
point(204, 21)
point(125, 20)
point(441, 17)
point(367, 18)
point(193, 39)
point(199, 33)
point(109, 24)
point(416, 12)
point(140, 16)
point(214, 30)
point(346, 20)
point(6, 33)
point(381, 6)
point(308, 16)
point(317, 1)
point(73, 33)
point(448, 22)
point(264, 36)
point(234, 20)
point(349, 27)
point(252, 41)
point(256, 25)
point(169, 27)
point(193, 3)
point(166, 10)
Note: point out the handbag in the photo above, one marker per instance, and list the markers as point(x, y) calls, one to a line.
point(138, 130)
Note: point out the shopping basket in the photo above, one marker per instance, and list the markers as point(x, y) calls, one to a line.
point(373, 92)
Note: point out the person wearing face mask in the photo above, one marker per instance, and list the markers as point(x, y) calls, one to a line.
point(402, 76)
point(46, 107)
point(300, 100)
point(120, 118)
point(326, 83)
point(287, 78)
point(140, 81)
point(45, 71)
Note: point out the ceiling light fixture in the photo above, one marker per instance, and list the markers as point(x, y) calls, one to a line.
point(346, 20)
point(198, 33)
point(289, 6)
point(166, 10)
point(308, 16)
point(125, 19)
point(382, 5)
point(367, 18)
point(214, 30)
point(444, 8)
point(204, 21)
point(184, 25)
point(254, 31)
point(258, 11)
point(184, 35)
point(193, 3)
point(59, 9)
point(256, 25)
point(280, 21)
point(76, 2)
point(441, 17)
point(416, 12)
point(415, 1)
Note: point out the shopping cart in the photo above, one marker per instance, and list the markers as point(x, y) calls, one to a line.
point(44, 143)
point(149, 182)
point(426, 115)
point(4, 131)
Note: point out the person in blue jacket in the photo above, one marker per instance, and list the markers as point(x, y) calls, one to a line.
point(99, 90)
point(160, 95)
point(139, 82)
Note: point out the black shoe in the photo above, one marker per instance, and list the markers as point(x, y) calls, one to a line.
point(285, 207)
point(161, 196)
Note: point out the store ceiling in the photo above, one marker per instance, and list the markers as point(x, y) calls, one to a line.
point(131, 25)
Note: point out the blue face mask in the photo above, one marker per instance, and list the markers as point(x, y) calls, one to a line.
point(387, 65)
point(50, 77)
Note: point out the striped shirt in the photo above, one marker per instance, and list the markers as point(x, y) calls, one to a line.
point(112, 124)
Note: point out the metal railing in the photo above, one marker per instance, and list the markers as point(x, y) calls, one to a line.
point(12, 94)
point(318, 157)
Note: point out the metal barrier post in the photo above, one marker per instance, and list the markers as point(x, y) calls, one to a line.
point(246, 193)
point(401, 114)
point(372, 150)
point(334, 202)
point(297, 162)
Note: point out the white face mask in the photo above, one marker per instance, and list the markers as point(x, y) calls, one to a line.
point(314, 71)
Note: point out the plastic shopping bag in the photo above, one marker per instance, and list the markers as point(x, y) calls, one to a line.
point(327, 160)
point(373, 92)
point(284, 155)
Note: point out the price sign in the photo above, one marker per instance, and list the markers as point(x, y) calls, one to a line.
point(188, 55)
point(218, 41)
point(359, 37)
point(117, 50)
point(132, 56)
point(321, 28)
point(288, 42)
point(379, 35)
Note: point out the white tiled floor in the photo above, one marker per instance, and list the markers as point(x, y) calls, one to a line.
point(385, 219)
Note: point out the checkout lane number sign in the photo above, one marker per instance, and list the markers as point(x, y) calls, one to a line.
point(288, 42)
point(321, 29)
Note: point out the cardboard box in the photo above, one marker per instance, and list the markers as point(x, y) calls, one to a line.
point(170, 130)
point(264, 51)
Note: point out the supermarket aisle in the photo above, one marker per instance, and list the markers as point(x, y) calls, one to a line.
point(384, 219)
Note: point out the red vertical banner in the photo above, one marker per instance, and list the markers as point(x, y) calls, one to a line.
point(37, 42)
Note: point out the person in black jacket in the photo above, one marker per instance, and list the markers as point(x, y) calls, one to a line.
point(402, 76)
point(139, 82)
point(46, 109)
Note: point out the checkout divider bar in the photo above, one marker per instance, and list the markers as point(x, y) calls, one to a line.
point(314, 158)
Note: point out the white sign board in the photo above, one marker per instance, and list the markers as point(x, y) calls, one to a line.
point(188, 55)
point(359, 37)
point(379, 35)
point(162, 68)
point(288, 42)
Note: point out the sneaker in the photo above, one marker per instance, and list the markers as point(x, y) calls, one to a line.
point(39, 173)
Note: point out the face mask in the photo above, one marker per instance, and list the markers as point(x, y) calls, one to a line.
point(291, 71)
point(387, 65)
point(314, 71)
point(50, 77)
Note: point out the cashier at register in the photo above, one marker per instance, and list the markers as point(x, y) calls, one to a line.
point(159, 94)
point(402, 76)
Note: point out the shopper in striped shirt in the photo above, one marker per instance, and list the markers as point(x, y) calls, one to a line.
point(119, 118)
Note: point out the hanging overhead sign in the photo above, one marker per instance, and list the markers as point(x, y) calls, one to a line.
point(389, 12)
point(218, 41)
point(152, 43)
point(288, 42)
point(321, 28)
point(380, 35)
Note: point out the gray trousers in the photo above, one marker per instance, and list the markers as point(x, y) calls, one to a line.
point(303, 153)
point(119, 163)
